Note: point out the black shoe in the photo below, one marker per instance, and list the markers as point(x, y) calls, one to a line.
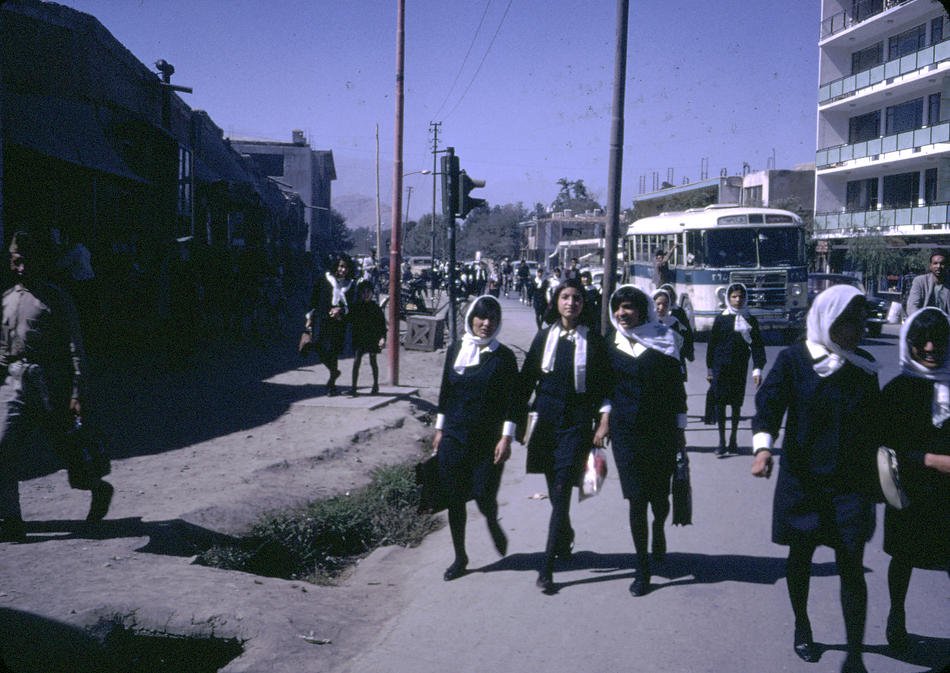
point(733, 447)
point(640, 586)
point(332, 390)
point(545, 582)
point(720, 451)
point(896, 631)
point(353, 392)
point(456, 570)
point(804, 645)
point(498, 537)
point(374, 390)
point(101, 499)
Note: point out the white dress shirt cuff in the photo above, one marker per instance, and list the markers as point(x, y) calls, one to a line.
point(761, 441)
point(756, 372)
point(606, 407)
point(439, 421)
point(508, 429)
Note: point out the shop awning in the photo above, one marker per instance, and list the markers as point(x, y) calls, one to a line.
point(63, 129)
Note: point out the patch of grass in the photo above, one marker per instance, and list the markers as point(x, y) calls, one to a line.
point(328, 536)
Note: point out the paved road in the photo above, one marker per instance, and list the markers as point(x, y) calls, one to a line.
point(719, 604)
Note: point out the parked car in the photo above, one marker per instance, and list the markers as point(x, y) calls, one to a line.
point(877, 306)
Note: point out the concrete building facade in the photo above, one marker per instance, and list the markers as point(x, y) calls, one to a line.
point(883, 136)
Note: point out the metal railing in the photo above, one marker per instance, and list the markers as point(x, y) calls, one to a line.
point(928, 135)
point(860, 11)
point(850, 85)
point(907, 220)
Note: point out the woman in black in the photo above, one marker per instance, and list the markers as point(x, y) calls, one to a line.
point(647, 418)
point(916, 408)
point(474, 428)
point(368, 327)
point(734, 337)
point(333, 294)
point(827, 481)
point(688, 349)
point(663, 306)
point(566, 369)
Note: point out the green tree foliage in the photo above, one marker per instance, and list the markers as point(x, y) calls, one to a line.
point(492, 231)
point(418, 236)
point(870, 253)
point(336, 239)
point(573, 195)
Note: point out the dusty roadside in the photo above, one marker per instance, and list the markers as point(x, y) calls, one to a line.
point(201, 451)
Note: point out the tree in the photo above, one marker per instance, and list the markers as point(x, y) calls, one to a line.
point(495, 232)
point(336, 239)
point(418, 239)
point(573, 195)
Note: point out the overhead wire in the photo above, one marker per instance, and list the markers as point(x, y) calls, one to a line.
point(464, 60)
point(482, 62)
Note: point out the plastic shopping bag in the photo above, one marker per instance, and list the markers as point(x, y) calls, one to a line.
point(594, 474)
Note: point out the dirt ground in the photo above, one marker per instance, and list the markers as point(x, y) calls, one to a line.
point(201, 448)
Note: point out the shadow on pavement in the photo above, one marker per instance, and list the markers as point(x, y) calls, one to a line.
point(932, 652)
point(168, 538)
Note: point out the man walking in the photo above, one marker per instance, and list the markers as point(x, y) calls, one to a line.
point(41, 365)
point(930, 289)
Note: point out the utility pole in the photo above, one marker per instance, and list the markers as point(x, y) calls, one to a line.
point(615, 170)
point(405, 220)
point(434, 127)
point(395, 235)
point(379, 223)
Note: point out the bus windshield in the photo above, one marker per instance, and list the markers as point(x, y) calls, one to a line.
point(751, 247)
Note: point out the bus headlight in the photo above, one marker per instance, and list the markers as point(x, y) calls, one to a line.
point(796, 290)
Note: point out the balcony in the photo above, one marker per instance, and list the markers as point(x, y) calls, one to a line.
point(852, 84)
point(861, 11)
point(908, 140)
point(921, 219)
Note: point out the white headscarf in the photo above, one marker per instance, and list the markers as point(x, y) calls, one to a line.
point(339, 291)
point(471, 346)
point(650, 333)
point(743, 323)
point(940, 408)
point(825, 309)
point(579, 336)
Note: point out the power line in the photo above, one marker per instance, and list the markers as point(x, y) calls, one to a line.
point(482, 62)
point(464, 60)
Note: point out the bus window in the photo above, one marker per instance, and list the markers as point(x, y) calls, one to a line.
point(781, 247)
point(694, 248)
point(755, 218)
point(731, 247)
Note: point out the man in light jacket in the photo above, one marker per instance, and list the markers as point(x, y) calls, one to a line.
point(930, 289)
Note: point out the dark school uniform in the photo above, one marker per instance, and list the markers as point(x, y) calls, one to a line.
point(368, 325)
point(646, 399)
point(727, 356)
point(475, 403)
point(827, 477)
point(919, 533)
point(330, 333)
point(565, 428)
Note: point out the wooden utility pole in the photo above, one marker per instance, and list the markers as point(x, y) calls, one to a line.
point(396, 236)
point(435, 153)
point(615, 170)
point(379, 217)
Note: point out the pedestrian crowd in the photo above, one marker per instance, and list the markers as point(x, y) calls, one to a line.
point(577, 390)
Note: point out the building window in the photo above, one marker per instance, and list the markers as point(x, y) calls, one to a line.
point(933, 109)
point(867, 58)
point(901, 191)
point(930, 186)
point(862, 9)
point(936, 30)
point(865, 127)
point(862, 194)
point(907, 42)
point(185, 191)
point(752, 196)
point(904, 117)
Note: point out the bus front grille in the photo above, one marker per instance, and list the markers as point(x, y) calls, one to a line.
point(766, 288)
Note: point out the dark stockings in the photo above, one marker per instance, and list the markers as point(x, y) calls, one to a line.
point(373, 365)
point(640, 530)
point(458, 518)
point(721, 420)
point(898, 580)
point(560, 487)
point(854, 593)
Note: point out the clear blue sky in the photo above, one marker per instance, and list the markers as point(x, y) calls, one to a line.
point(727, 81)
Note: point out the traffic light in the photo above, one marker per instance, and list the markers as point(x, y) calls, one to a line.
point(466, 203)
point(450, 182)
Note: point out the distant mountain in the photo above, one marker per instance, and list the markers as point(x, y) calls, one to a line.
point(360, 211)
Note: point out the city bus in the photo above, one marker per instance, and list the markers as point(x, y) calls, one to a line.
point(763, 248)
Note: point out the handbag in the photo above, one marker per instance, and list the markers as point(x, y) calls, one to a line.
point(710, 414)
point(595, 471)
point(84, 452)
point(682, 492)
point(888, 474)
point(431, 496)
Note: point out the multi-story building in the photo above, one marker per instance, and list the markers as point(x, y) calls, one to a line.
point(541, 236)
point(883, 159)
point(297, 168)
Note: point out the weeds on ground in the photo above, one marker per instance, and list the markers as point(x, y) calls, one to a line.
point(321, 541)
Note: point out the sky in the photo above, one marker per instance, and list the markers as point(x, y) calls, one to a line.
point(523, 88)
